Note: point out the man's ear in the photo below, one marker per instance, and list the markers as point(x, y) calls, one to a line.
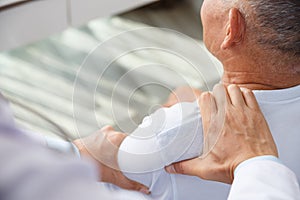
point(235, 29)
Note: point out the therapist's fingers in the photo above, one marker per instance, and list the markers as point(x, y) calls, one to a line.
point(208, 109)
point(221, 96)
point(201, 167)
point(128, 184)
point(236, 96)
point(250, 99)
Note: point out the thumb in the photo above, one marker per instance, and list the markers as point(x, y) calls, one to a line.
point(187, 167)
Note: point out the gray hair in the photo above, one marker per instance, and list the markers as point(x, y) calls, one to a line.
point(275, 24)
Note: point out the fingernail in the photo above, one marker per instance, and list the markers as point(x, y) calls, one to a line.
point(145, 190)
point(170, 169)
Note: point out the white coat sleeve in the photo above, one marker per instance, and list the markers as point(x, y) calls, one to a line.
point(264, 179)
point(58, 145)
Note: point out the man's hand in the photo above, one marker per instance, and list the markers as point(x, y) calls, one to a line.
point(234, 131)
point(183, 94)
point(102, 147)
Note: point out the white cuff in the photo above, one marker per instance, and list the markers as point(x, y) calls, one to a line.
point(62, 146)
point(264, 178)
point(246, 162)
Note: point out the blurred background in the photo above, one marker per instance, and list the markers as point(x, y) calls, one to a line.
point(42, 50)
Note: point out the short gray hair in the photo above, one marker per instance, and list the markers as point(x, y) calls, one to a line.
point(275, 24)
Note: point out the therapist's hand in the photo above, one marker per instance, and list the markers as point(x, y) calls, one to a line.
point(234, 131)
point(102, 147)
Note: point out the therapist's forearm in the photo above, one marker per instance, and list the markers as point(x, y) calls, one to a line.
point(264, 179)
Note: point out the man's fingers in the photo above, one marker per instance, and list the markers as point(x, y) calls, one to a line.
point(236, 96)
point(250, 98)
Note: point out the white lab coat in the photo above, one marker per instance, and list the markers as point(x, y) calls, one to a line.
point(264, 179)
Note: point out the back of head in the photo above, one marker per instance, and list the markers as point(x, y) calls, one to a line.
point(272, 24)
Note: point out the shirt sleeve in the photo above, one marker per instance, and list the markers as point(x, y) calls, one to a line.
point(168, 135)
point(266, 178)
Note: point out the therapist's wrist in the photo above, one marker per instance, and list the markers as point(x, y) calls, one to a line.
point(81, 148)
point(100, 144)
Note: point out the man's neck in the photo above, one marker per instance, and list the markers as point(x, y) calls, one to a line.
point(259, 69)
point(259, 82)
point(264, 79)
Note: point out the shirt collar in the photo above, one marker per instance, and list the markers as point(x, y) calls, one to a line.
point(278, 95)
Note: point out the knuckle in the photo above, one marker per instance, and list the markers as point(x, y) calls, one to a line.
point(179, 168)
point(116, 138)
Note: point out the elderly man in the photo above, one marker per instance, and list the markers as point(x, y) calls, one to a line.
point(258, 43)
